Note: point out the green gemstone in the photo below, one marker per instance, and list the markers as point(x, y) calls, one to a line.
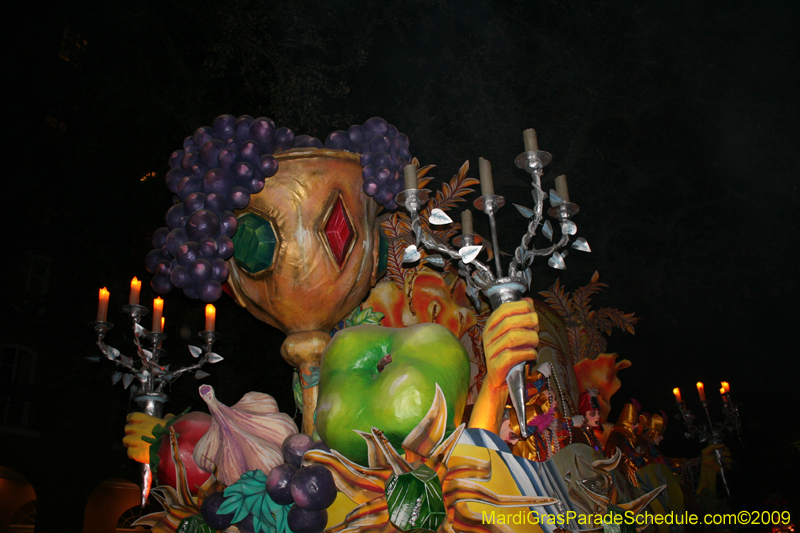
point(254, 243)
point(415, 501)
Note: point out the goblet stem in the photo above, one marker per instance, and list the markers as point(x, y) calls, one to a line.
point(303, 350)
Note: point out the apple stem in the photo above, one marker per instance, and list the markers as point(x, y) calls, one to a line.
point(385, 360)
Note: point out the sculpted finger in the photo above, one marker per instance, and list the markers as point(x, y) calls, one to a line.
point(524, 321)
point(509, 309)
point(516, 339)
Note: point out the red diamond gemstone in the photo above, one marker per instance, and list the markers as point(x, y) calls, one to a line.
point(339, 232)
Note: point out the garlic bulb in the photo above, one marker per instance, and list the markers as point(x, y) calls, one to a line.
point(244, 437)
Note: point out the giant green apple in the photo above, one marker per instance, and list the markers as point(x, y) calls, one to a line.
point(374, 376)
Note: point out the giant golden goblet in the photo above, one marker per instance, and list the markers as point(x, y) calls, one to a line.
point(306, 253)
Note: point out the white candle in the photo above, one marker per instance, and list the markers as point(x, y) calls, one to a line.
point(102, 305)
point(211, 317)
point(410, 175)
point(561, 188)
point(158, 308)
point(531, 140)
point(466, 223)
point(485, 170)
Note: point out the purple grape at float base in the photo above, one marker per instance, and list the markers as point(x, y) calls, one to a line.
point(211, 505)
point(313, 488)
point(279, 483)
point(301, 521)
point(294, 446)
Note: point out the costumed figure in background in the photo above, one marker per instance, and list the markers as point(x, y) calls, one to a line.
point(623, 436)
point(587, 425)
point(549, 430)
point(652, 429)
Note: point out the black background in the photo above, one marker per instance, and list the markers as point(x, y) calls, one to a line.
point(675, 122)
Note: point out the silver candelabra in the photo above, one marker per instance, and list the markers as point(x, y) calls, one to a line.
point(712, 433)
point(480, 278)
point(147, 369)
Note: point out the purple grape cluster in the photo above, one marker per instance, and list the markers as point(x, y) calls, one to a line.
point(219, 168)
point(384, 154)
point(310, 490)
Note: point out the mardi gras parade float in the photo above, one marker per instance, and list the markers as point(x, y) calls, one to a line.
point(435, 394)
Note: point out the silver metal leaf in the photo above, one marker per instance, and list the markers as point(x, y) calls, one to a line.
point(524, 211)
point(556, 261)
point(411, 254)
point(581, 245)
point(555, 199)
point(214, 357)
point(166, 368)
point(147, 353)
point(469, 253)
point(439, 217)
point(436, 260)
point(139, 330)
point(126, 380)
point(115, 377)
point(569, 227)
point(195, 351)
point(547, 230)
point(200, 374)
point(113, 353)
point(127, 361)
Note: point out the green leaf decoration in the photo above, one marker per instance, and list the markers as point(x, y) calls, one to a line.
point(159, 430)
point(363, 316)
point(297, 390)
point(194, 524)
point(312, 380)
point(248, 496)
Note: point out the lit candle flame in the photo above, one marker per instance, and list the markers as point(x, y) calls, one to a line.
point(677, 392)
point(102, 305)
point(136, 286)
point(211, 317)
point(158, 308)
point(701, 391)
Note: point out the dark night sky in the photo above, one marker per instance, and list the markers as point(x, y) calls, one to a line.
point(676, 123)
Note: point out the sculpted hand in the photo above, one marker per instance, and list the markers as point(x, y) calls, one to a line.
point(709, 467)
point(141, 425)
point(510, 337)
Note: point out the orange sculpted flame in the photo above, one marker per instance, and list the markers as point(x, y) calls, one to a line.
point(427, 297)
point(601, 374)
